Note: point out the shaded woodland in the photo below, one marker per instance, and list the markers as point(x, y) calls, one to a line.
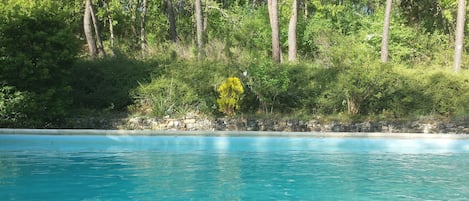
point(337, 59)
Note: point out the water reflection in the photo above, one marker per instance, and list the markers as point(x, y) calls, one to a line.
point(206, 171)
point(8, 169)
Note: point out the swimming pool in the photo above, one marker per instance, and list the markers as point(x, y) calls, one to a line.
point(116, 167)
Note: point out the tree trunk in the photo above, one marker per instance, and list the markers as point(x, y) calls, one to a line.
point(199, 28)
point(353, 107)
point(292, 32)
point(273, 16)
point(133, 22)
point(458, 47)
point(96, 31)
point(88, 30)
point(305, 7)
point(172, 21)
point(143, 37)
point(111, 31)
point(385, 39)
point(205, 23)
point(111, 24)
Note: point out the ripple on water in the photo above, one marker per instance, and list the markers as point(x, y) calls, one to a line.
point(235, 169)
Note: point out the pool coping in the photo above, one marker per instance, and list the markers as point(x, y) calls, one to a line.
point(7, 131)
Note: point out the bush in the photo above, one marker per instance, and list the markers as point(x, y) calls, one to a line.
point(449, 92)
point(267, 81)
point(37, 54)
point(394, 91)
point(13, 106)
point(164, 96)
point(231, 92)
point(105, 84)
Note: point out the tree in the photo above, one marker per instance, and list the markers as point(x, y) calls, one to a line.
point(96, 31)
point(458, 47)
point(111, 24)
point(199, 27)
point(38, 51)
point(427, 14)
point(143, 38)
point(133, 21)
point(268, 80)
point(273, 16)
point(172, 20)
point(385, 39)
point(88, 30)
point(292, 32)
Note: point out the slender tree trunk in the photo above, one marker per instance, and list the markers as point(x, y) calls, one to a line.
point(111, 30)
point(133, 17)
point(273, 16)
point(180, 4)
point(88, 30)
point(224, 4)
point(306, 9)
point(172, 21)
point(458, 47)
point(292, 32)
point(96, 31)
point(111, 24)
point(143, 37)
point(199, 28)
point(205, 23)
point(385, 39)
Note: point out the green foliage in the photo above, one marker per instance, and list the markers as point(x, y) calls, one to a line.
point(231, 91)
point(431, 15)
point(267, 81)
point(26, 7)
point(165, 97)
point(253, 32)
point(106, 84)
point(344, 28)
point(333, 15)
point(12, 106)
point(181, 86)
point(448, 92)
point(338, 44)
point(395, 91)
point(38, 51)
point(373, 90)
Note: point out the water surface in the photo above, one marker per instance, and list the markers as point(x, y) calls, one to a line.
point(44, 167)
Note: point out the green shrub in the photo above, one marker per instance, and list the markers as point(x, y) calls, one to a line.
point(38, 51)
point(164, 97)
point(449, 92)
point(12, 106)
point(267, 81)
point(105, 84)
point(203, 77)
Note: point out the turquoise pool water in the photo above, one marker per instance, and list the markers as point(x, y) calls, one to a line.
point(93, 168)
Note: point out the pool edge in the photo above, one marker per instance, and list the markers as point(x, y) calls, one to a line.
point(5, 131)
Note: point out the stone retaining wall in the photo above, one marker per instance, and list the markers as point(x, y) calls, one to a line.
point(246, 124)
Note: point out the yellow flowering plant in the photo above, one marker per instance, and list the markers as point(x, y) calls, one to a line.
point(231, 91)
